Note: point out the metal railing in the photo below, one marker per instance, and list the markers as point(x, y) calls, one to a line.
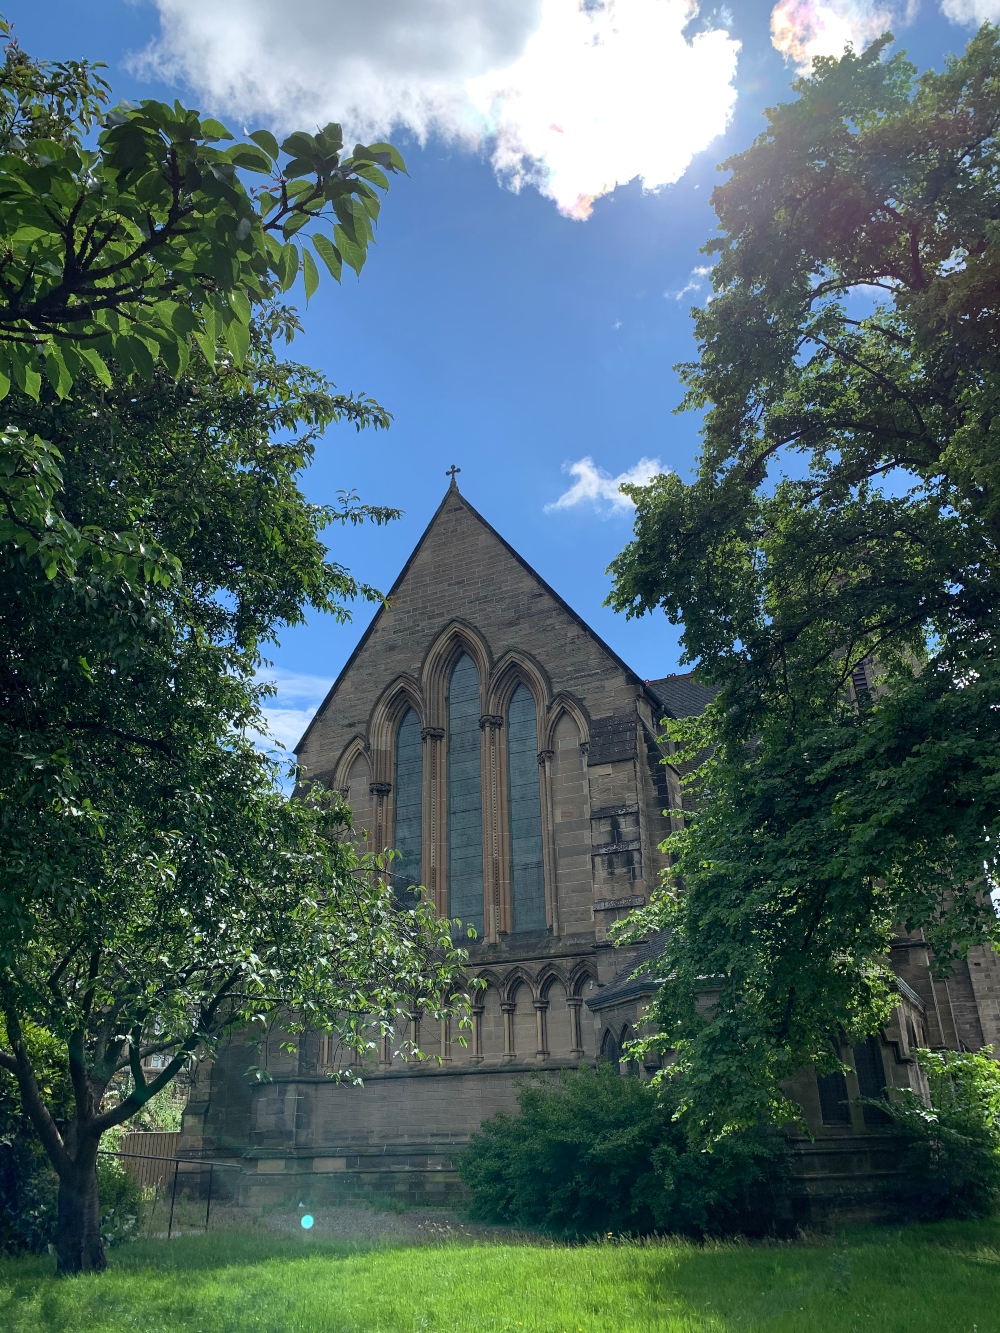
point(149, 1170)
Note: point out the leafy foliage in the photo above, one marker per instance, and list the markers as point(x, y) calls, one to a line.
point(595, 1153)
point(954, 1154)
point(834, 565)
point(157, 887)
point(149, 243)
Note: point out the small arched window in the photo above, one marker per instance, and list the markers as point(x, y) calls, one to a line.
point(408, 787)
point(465, 795)
point(527, 877)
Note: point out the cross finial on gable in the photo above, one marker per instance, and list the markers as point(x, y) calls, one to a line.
point(451, 472)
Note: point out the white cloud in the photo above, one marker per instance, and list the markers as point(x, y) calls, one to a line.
point(971, 11)
point(572, 97)
point(693, 284)
point(292, 708)
point(804, 29)
point(592, 485)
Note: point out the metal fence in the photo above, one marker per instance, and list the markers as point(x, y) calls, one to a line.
point(177, 1180)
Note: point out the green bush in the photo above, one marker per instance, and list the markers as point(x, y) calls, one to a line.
point(592, 1153)
point(953, 1158)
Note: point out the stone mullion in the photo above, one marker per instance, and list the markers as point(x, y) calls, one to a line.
point(575, 1003)
point(434, 845)
point(477, 1034)
point(541, 1029)
point(494, 808)
point(445, 1041)
point(508, 1007)
point(545, 758)
point(380, 793)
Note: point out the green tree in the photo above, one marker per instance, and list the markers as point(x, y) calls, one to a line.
point(156, 886)
point(834, 566)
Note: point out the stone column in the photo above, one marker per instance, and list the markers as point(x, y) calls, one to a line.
point(379, 792)
point(508, 1007)
point(498, 911)
point(575, 1003)
point(541, 1032)
point(545, 758)
point(433, 822)
point(414, 1031)
point(476, 1056)
point(445, 1041)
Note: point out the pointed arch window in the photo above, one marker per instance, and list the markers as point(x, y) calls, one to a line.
point(527, 876)
point(409, 791)
point(465, 795)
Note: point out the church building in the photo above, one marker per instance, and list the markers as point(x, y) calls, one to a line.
point(484, 730)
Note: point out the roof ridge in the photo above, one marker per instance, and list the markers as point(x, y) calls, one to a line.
point(453, 493)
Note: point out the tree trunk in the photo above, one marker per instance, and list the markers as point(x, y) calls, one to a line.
point(78, 1222)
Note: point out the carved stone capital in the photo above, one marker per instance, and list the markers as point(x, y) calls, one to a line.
point(379, 788)
point(490, 720)
point(432, 734)
point(545, 755)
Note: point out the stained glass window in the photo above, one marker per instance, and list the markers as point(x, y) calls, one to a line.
point(527, 879)
point(465, 795)
point(871, 1079)
point(833, 1102)
point(408, 790)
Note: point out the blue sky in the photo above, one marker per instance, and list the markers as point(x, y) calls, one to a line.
point(504, 336)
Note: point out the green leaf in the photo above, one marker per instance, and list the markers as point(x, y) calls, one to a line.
point(238, 340)
point(288, 268)
point(387, 156)
point(353, 254)
point(57, 372)
point(240, 305)
point(374, 174)
point(295, 223)
point(176, 353)
point(4, 385)
point(214, 129)
point(138, 353)
point(300, 144)
point(328, 253)
point(207, 346)
point(310, 274)
point(97, 364)
point(266, 140)
point(266, 203)
point(250, 158)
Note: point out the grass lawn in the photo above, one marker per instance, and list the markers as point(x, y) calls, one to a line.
point(931, 1279)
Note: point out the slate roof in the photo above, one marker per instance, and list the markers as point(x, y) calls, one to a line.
point(631, 982)
point(681, 695)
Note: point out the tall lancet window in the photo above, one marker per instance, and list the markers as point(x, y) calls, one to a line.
point(465, 795)
point(408, 790)
point(527, 878)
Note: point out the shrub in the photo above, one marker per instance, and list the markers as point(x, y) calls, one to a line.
point(591, 1152)
point(953, 1157)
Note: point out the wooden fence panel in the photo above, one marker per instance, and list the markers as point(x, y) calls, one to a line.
point(148, 1157)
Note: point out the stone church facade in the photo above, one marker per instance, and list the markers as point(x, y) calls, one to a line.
point(487, 733)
